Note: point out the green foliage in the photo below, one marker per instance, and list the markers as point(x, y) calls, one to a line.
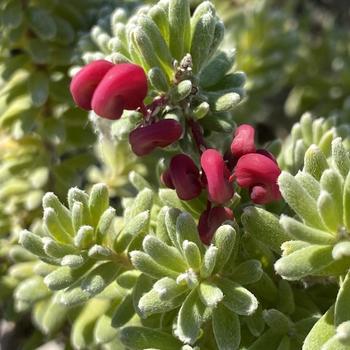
point(119, 264)
point(311, 131)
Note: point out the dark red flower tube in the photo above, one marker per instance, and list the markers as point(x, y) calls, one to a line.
point(123, 87)
point(217, 176)
point(184, 177)
point(145, 139)
point(210, 220)
point(259, 173)
point(84, 83)
point(243, 141)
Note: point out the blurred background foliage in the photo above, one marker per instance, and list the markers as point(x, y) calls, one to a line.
point(295, 53)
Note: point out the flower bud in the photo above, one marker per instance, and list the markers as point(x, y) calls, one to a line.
point(259, 173)
point(243, 141)
point(123, 87)
point(84, 83)
point(210, 220)
point(184, 176)
point(217, 177)
point(145, 139)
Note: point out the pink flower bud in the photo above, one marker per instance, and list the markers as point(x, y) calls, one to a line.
point(217, 177)
point(123, 87)
point(184, 176)
point(243, 141)
point(211, 220)
point(145, 139)
point(259, 173)
point(84, 83)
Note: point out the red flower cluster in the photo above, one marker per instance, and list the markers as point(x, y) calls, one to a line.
point(256, 170)
point(108, 89)
point(253, 169)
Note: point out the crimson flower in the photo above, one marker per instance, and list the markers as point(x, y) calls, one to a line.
point(210, 220)
point(144, 139)
point(243, 141)
point(84, 83)
point(123, 87)
point(183, 176)
point(258, 172)
point(108, 89)
point(217, 176)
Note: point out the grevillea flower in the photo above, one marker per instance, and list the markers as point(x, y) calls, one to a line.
point(123, 87)
point(210, 220)
point(144, 139)
point(183, 175)
point(243, 141)
point(217, 176)
point(84, 83)
point(259, 173)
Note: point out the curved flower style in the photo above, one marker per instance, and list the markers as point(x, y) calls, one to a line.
point(144, 139)
point(210, 220)
point(84, 83)
point(183, 176)
point(259, 173)
point(108, 89)
point(123, 87)
point(217, 176)
point(243, 141)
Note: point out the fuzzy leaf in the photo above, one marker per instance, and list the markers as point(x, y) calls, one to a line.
point(209, 261)
point(186, 229)
point(148, 266)
point(340, 157)
point(210, 294)
point(269, 340)
point(98, 202)
point(310, 184)
point(346, 202)
point(237, 298)
point(140, 338)
point(226, 328)
point(190, 318)
point(304, 262)
point(32, 242)
point(329, 211)
point(321, 332)
point(54, 227)
point(167, 288)
point(315, 162)
point(299, 200)
point(264, 226)
point(306, 233)
point(170, 222)
point(150, 303)
point(192, 254)
point(167, 256)
point(124, 312)
point(84, 237)
point(103, 331)
point(142, 202)
point(247, 272)
point(341, 310)
point(224, 241)
point(179, 28)
point(276, 320)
